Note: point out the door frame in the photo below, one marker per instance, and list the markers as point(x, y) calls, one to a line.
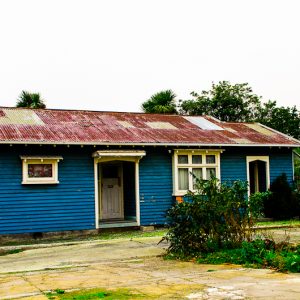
point(265, 159)
point(100, 188)
point(119, 155)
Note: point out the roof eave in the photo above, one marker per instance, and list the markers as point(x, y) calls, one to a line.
point(95, 143)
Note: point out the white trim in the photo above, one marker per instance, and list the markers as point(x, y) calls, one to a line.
point(190, 166)
point(119, 153)
point(96, 193)
point(266, 159)
point(106, 158)
point(96, 143)
point(31, 160)
point(41, 157)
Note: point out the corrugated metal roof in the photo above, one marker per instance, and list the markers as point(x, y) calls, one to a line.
point(42, 126)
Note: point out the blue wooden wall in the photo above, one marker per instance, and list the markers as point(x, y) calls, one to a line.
point(233, 162)
point(156, 185)
point(68, 205)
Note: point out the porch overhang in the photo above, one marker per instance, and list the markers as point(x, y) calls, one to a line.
point(124, 155)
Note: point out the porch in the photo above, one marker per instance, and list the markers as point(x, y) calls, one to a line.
point(117, 188)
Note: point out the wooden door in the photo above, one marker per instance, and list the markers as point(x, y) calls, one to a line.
point(112, 192)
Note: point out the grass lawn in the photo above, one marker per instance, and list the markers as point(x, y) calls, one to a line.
point(279, 223)
point(120, 294)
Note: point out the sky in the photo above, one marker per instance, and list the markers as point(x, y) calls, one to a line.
point(112, 55)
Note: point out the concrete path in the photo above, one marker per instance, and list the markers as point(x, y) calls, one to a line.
point(137, 265)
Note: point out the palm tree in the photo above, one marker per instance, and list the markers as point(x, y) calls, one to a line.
point(30, 100)
point(162, 103)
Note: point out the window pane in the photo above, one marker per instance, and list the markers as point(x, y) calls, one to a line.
point(210, 172)
point(39, 170)
point(183, 159)
point(183, 179)
point(197, 172)
point(210, 159)
point(197, 159)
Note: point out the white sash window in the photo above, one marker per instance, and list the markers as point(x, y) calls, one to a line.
point(191, 164)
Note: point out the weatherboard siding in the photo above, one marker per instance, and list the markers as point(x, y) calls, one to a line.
point(281, 162)
point(68, 205)
point(233, 163)
point(156, 186)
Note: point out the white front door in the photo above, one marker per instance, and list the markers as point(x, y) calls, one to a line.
point(112, 192)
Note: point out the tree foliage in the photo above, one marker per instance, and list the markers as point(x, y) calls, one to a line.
point(226, 102)
point(30, 100)
point(162, 103)
point(237, 103)
point(284, 119)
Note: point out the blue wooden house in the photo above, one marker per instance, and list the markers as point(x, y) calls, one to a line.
point(81, 170)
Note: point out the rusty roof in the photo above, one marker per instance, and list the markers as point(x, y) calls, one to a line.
point(51, 126)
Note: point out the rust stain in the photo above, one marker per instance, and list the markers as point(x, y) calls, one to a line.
point(75, 126)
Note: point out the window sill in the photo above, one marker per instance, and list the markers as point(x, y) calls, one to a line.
point(40, 182)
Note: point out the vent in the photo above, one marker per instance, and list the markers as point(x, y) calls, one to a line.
point(203, 123)
point(161, 125)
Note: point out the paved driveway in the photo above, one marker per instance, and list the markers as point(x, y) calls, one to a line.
point(135, 264)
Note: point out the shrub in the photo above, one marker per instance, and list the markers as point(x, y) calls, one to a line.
point(217, 216)
point(283, 202)
point(257, 253)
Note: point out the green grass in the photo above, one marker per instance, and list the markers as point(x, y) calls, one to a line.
point(257, 254)
point(279, 223)
point(106, 236)
point(120, 294)
point(7, 252)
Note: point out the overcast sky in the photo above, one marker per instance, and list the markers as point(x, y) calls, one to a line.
point(114, 54)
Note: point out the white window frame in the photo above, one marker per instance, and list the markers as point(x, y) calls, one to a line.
point(265, 159)
point(190, 166)
point(29, 160)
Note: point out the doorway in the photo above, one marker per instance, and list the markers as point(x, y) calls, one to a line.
point(258, 174)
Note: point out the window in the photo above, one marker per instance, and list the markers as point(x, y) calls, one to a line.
point(40, 169)
point(191, 164)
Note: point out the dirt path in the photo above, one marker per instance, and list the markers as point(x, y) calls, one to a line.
point(137, 265)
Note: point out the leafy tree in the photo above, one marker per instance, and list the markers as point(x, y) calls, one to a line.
point(226, 102)
point(30, 100)
point(237, 103)
point(162, 103)
point(284, 119)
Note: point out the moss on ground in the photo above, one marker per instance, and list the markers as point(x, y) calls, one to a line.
point(91, 294)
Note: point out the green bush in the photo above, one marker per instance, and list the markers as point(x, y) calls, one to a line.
point(217, 216)
point(283, 202)
point(258, 253)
